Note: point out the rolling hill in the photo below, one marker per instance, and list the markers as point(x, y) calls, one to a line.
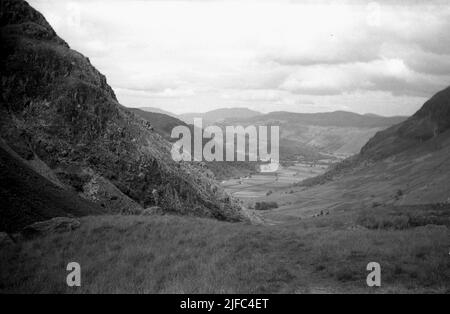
point(327, 119)
point(406, 164)
point(310, 136)
point(219, 115)
point(303, 135)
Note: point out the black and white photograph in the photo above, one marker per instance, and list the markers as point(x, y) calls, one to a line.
point(224, 151)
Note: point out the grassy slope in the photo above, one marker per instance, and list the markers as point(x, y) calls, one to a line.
point(163, 254)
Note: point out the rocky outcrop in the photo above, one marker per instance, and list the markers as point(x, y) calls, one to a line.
point(54, 225)
point(56, 106)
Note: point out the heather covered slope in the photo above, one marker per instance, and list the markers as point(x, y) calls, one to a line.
point(55, 106)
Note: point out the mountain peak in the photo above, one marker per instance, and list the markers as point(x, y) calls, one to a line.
point(18, 17)
point(437, 111)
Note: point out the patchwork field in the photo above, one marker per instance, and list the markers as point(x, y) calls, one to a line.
point(258, 187)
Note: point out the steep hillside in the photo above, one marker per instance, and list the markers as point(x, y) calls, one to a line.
point(55, 106)
point(429, 122)
point(406, 164)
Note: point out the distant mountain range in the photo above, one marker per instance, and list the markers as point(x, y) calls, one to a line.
point(303, 135)
point(327, 119)
point(336, 118)
point(220, 115)
point(158, 110)
point(310, 135)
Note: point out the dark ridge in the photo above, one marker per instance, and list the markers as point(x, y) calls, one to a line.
point(18, 17)
point(430, 121)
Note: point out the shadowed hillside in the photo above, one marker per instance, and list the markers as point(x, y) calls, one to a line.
point(57, 108)
point(27, 196)
point(432, 120)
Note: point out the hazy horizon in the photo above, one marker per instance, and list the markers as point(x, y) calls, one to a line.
point(381, 57)
point(267, 112)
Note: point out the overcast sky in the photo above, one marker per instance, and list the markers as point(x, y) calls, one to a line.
point(196, 55)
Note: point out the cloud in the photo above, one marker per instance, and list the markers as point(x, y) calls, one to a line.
point(198, 55)
point(389, 75)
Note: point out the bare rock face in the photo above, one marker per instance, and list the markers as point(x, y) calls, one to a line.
point(54, 225)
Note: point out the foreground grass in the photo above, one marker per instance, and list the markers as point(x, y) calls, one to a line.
point(171, 254)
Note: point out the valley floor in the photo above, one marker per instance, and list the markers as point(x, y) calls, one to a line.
point(172, 254)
